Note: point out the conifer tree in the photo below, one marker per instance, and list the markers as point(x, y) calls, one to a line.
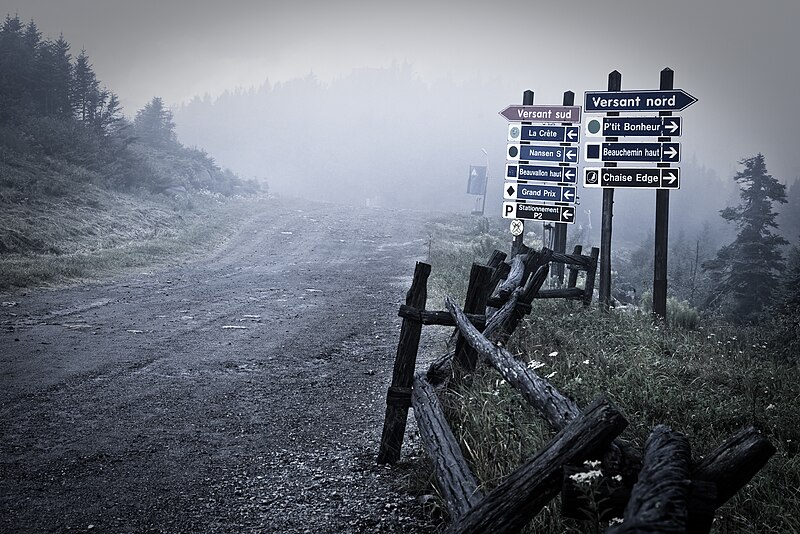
point(154, 124)
point(748, 270)
point(54, 78)
point(84, 89)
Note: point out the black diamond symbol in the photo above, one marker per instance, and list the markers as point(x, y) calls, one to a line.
point(510, 190)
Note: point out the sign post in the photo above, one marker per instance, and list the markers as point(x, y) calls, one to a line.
point(662, 226)
point(604, 289)
point(662, 153)
point(542, 164)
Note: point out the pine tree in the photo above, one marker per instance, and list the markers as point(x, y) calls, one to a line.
point(749, 269)
point(16, 63)
point(53, 75)
point(154, 124)
point(84, 89)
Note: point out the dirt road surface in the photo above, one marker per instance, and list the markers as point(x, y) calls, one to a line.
point(242, 392)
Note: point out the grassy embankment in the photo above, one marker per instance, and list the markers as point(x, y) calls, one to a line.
point(86, 232)
point(706, 382)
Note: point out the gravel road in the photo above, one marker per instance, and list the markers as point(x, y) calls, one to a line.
point(242, 392)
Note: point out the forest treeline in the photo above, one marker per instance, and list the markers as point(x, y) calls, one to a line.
point(59, 125)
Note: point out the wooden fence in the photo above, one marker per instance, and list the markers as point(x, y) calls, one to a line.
point(660, 490)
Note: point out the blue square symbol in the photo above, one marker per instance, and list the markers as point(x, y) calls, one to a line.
point(511, 171)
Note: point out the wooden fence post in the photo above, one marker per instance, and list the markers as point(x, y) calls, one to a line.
point(572, 279)
point(591, 273)
point(398, 398)
point(477, 294)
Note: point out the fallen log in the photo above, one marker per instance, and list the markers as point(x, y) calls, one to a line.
point(659, 499)
point(456, 482)
point(731, 465)
point(557, 409)
point(715, 479)
point(512, 504)
point(514, 278)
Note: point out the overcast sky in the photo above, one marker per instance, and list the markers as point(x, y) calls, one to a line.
point(739, 58)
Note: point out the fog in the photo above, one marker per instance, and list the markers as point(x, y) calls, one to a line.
point(385, 137)
point(389, 105)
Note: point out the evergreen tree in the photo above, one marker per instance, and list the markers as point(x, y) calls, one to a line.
point(748, 270)
point(84, 89)
point(16, 63)
point(53, 76)
point(154, 124)
point(108, 117)
point(789, 217)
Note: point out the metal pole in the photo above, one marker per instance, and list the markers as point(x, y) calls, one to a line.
point(662, 223)
point(485, 183)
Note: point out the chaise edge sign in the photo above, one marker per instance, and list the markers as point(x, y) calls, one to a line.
point(648, 100)
point(565, 114)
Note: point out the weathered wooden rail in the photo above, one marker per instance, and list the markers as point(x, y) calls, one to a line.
point(662, 491)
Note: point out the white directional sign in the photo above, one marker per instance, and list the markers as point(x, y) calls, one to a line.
point(543, 132)
point(633, 126)
point(548, 153)
point(547, 193)
point(539, 212)
point(639, 178)
point(641, 152)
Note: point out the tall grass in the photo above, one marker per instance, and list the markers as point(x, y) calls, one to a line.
point(705, 379)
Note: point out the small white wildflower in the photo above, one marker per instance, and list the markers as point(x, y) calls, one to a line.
point(553, 354)
point(618, 478)
point(592, 463)
point(585, 478)
point(533, 364)
point(578, 380)
point(551, 375)
point(771, 407)
point(615, 521)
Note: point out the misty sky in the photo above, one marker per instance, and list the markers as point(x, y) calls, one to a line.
point(740, 58)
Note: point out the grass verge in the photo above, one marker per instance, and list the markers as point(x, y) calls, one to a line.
point(707, 382)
